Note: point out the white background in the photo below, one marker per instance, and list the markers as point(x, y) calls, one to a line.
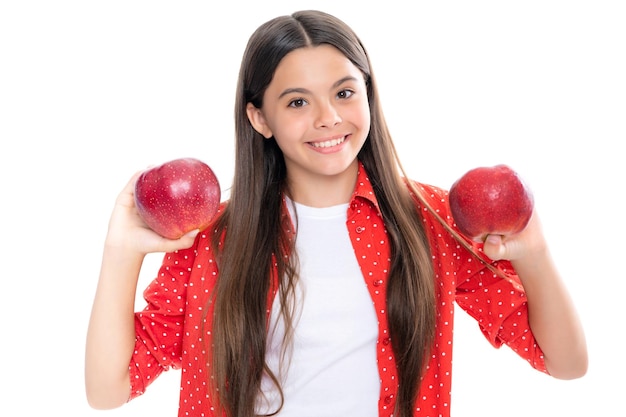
point(91, 92)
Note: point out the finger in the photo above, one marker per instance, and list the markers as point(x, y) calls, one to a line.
point(184, 242)
point(494, 247)
point(126, 196)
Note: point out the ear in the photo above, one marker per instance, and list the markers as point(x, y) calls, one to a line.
point(257, 120)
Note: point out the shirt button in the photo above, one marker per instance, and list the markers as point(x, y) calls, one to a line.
point(378, 282)
point(360, 229)
point(386, 341)
point(387, 400)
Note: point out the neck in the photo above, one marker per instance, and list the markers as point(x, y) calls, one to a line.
point(324, 190)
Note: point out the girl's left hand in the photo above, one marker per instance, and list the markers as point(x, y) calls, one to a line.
point(519, 246)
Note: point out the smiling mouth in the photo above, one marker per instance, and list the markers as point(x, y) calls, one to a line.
point(328, 143)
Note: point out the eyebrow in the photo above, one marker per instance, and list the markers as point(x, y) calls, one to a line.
point(304, 90)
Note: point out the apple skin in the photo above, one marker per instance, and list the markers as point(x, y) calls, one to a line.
point(177, 197)
point(490, 200)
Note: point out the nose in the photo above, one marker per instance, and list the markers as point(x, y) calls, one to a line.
point(327, 115)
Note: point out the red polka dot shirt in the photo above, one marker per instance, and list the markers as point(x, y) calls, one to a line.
point(169, 329)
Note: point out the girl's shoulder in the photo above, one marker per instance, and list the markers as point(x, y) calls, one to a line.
point(428, 196)
point(433, 204)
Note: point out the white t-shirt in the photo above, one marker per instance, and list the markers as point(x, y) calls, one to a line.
point(333, 368)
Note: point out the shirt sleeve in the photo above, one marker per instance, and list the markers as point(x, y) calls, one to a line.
point(500, 308)
point(159, 326)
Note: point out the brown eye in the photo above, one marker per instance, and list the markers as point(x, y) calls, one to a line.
point(345, 94)
point(299, 102)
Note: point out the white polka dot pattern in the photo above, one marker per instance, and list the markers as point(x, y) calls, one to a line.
point(170, 333)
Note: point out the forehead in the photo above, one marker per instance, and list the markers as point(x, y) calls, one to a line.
point(314, 63)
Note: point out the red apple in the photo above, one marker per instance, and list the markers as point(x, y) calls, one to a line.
point(490, 200)
point(177, 197)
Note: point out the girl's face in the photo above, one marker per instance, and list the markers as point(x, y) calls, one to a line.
point(316, 108)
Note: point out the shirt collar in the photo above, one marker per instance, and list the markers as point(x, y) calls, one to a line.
point(363, 189)
point(363, 194)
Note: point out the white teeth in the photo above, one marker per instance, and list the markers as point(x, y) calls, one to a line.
point(328, 143)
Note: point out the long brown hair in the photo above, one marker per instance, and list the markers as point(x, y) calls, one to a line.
point(255, 241)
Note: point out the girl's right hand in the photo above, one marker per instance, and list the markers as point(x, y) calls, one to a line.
point(129, 232)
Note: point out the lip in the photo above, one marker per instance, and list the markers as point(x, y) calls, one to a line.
point(330, 144)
